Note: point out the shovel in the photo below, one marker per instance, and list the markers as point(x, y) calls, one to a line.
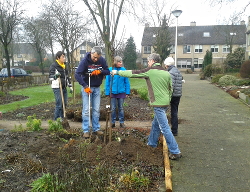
point(65, 123)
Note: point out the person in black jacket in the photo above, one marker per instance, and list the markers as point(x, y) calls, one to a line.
point(59, 70)
point(177, 92)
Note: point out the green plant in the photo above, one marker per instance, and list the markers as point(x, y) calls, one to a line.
point(216, 78)
point(2, 94)
point(19, 128)
point(47, 183)
point(55, 125)
point(98, 152)
point(134, 181)
point(125, 104)
point(143, 92)
point(33, 124)
point(227, 80)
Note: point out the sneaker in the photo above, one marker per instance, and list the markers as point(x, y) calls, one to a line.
point(122, 125)
point(98, 132)
point(113, 125)
point(86, 134)
point(175, 156)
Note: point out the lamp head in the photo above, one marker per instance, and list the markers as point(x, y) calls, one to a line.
point(177, 13)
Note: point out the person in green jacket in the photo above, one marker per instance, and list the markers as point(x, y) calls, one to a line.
point(159, 85)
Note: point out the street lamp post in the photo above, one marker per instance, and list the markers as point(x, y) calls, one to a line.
point(176, 13)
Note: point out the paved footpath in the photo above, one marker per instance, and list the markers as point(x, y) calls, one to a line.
point(214, 138)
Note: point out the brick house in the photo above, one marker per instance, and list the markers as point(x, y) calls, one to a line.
point(193, 42)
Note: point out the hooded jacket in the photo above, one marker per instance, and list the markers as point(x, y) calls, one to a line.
point(158, 81)
point(82, 75)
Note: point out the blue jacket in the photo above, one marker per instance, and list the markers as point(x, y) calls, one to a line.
point(119, 84)
point(86, 63)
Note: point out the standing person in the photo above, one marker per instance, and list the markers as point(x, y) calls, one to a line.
point(93, 61)
point(59, 70)
point(120, 87)
point(160, 91)
point(177, 92)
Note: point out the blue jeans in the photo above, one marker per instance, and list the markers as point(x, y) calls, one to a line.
point(160, 125)
point(59, 107)
point(114, 103)
point(95, 99)
point(174, 114)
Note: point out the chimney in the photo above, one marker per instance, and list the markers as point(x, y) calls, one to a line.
point(193, 23)
point(242, 22)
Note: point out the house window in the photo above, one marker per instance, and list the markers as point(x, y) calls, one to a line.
point(233, 34)
point(186, 49)
point(147, 49)
point(226, 49)
point(82, 52)
point(214, 48)
point(172, 49)
point(206, 34)
point(184, 63)
point(145, 62)
point(198, 63)
point(198, 48)
point(180, 34)
point(19, 56)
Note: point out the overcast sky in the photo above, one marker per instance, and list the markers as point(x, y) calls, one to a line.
point(199, 11)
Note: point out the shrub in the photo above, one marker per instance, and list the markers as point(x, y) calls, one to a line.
point(227, 80)
point(216, 78)
point(241, 82)
point(55, 125)
point(212, 69)
point(245, 69)
point(34, 124)
point(143, 92)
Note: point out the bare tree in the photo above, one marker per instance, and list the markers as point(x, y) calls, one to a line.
point(66, 23)
point(106, 16)
point(37, 38)
point(10, 18)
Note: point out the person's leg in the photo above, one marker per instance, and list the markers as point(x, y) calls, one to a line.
point(58, 100)
point(160, 115)
point(120, 109)
point(174, 114)
point(96, 99)
point(113, 110)
point(154, 134)
point(85, 111)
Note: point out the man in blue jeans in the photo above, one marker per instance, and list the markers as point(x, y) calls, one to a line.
point(160, 92)
point(95, 65)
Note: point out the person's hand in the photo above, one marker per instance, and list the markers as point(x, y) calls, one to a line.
point(87, 90)
point(57, 75)
point(96, 72)
point(71, 90)
point(114, 72)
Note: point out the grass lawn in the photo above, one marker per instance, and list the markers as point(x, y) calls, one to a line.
point(41, 94)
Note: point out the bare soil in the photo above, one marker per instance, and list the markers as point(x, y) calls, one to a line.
point(26, 156)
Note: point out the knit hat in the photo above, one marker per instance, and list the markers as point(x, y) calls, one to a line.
point(169, 61)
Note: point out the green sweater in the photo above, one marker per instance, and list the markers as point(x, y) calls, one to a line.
point(158, 81)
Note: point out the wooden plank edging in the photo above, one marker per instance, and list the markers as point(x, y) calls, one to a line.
point(168, 173)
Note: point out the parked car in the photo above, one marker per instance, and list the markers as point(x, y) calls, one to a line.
point(15, 72)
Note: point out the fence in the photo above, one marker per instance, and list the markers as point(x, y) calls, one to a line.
point(8, 83)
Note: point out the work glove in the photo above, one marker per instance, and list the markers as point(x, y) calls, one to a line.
point(57, 75)
point(114, 72)
point(183, 81)
point(71, 90)
point(96, 72)
point(87, 90)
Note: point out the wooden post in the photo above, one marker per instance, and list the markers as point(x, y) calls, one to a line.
point(168, 173)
